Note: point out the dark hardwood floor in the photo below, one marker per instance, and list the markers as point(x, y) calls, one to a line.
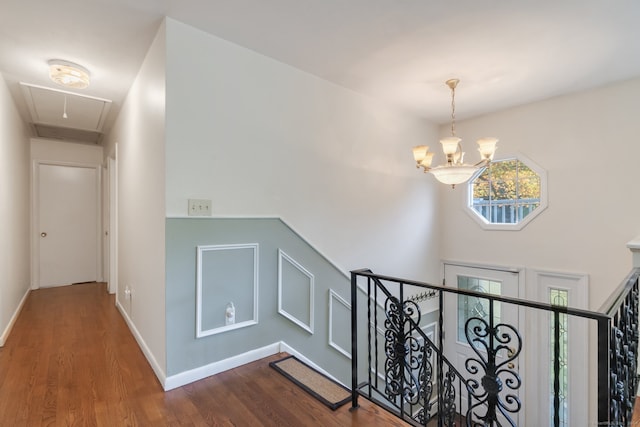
point(71, 361)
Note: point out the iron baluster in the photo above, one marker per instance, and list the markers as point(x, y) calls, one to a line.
point(354, 341)
point(369, 334)
point(556, 368)
point(440, 361)
point(375, 316)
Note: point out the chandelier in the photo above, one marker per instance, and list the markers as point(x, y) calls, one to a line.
point(454, 171)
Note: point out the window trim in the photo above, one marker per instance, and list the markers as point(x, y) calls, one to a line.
point(486, 225)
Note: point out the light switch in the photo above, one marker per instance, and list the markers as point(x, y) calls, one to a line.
point(199, 207)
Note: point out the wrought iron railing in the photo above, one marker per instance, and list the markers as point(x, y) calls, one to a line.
point(408, 372)
point(620, 331)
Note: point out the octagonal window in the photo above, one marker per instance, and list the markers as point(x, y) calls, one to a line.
point(507, 193)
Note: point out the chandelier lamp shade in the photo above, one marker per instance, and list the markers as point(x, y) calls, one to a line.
point(454, 171)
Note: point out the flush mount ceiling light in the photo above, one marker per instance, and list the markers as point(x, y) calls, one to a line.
point(68, 74)
point(455, 171)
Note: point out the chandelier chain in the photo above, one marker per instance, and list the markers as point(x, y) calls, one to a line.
point(453, 111)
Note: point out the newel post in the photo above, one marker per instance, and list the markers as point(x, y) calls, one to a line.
point(634, 246)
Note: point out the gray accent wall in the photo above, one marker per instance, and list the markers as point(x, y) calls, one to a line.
point(186, 352)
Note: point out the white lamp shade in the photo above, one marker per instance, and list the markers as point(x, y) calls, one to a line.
point(426, 162)
point(487, 147)
point(420, 152)
point(450, 144)
point(453, 175)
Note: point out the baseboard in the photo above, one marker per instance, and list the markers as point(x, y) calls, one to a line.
point(197, 374)
point(193, 375)
point(143, 345)
point(12, 321)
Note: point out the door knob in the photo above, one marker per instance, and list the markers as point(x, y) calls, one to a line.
point(43, 234)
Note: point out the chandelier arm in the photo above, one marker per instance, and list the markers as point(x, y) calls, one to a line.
point(482, 163)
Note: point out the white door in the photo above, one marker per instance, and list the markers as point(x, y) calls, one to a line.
point(467, 338)
point(68, 224)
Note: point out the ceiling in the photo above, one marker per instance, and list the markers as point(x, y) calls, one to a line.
point(401, 52)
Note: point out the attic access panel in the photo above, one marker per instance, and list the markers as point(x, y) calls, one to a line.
point(47, 107)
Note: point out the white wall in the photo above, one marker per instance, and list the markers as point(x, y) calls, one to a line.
point(14, 211)
point(587, 142)
point(139, 132)
point(259, 137)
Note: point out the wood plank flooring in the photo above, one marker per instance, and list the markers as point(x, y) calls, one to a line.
point(71, 361)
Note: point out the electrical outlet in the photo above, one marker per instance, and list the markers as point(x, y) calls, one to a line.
point(127, 292)
point(199, 207)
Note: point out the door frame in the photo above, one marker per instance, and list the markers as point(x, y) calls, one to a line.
point(520, 271)
point(35, 216)
point(581, 344)
point(112, 168)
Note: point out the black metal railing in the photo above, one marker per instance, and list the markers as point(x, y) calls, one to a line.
point(620, 332)
point(408, 372)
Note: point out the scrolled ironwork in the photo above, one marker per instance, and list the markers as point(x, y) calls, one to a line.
point(493, 382)
point(449, 398)
point(496, 348)
point(408, 367)
point(623, 359)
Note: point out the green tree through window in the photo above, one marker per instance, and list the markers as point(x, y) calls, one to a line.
point(506, 191)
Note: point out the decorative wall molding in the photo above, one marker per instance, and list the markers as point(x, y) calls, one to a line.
point(283, 259)
point(333, 296)
point(200, 280)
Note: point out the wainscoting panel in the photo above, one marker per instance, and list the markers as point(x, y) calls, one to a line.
point(295, 292)
point(227, 288)
point(237, 255)
point(339, 323)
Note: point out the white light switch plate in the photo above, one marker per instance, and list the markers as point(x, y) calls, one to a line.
point(199, 207)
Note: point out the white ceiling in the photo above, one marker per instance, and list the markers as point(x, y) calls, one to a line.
point(399, 51)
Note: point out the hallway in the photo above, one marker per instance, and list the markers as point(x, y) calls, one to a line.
point(71, 361)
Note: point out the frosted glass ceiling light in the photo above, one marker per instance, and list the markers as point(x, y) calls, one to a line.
point(68, 74)
point(455, 171)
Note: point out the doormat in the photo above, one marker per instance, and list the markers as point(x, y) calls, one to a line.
point(313, 382)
